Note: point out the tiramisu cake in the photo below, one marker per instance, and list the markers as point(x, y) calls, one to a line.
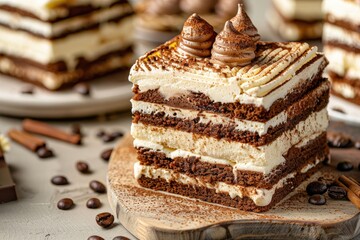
point(227, 118)
point(342, 47)
point(158, 21)
point(54, 43)
point(296, 19)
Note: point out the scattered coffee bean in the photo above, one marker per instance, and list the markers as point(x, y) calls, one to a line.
point(344, 166)
point(27, 90)
point(44, 152)
point(107, 138)
point(117, 134)
point(316, 188)
point(105, 219)
point(93, 203)
point(338, 140)
point(82, 167)
point(65, 204)
point(76, 129)
point(357, 145)
point(336, 109)
point(94, 237)
point(59, 180)
point(120, 238)
point(337, 193)
point(83, 89)
point(97, 186)
point(105, 155)
point(100, 133)
point(317, 199)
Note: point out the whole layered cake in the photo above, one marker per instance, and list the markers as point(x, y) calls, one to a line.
point(57, 43)
point(296, 20)
point(227, 118)
point(342, 47)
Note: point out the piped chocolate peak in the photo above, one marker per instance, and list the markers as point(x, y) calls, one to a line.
point(236, 43)
point(197, 37)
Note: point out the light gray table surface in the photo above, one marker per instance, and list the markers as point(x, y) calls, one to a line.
point(35, 215)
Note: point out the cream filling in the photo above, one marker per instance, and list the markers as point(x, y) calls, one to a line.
point(174, 153)
point(88, 44)
point(345, 90)
point(300, 9)
point(343, 10)
point(56, 29)
point(260, 196)
point(342, 62)
point(53, 81)
point(339, 34)
point(51, 9)
point(292, 31)
point(246, 155)
point(232, 89)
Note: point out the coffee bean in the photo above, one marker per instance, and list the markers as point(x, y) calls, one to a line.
point(100, 133)
point(83, 89)
point(344, 166)
point(120, 238)
point(76, 129)
point(44, 152)
point(357, 145)
point(117, 134)
point(338, 140)
point(97, 186)
point(59, 180)
point(82, 167)
point(337, 109)
point(107, 138)
point(316, 188)
point(105, 155)
point(94, 237)
point(27, 90)
point(65, 204)
point(105, 219)
point(93, 203)
point(337, 193)
point(317, 199)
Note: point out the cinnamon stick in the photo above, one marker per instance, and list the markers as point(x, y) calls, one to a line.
point(352, 185)
point(49, 131)
point(350, 194)
point(27, 140)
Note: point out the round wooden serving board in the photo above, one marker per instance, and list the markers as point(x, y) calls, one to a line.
point(157, 215)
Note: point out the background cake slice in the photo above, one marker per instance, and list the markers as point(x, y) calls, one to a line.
point(342, 47)
point(58, 43)
point(241, 126)
point(296, 20)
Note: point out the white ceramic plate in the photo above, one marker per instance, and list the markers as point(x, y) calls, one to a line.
point(341, 110)
point(108, 94)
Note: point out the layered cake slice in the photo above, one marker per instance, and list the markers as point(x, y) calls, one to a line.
point(57, 43)
point(296, 19)
point(227, 118)
point(342, 47)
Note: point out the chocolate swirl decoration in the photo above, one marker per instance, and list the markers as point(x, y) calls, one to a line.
point(243, 24)
point(197, 6)
point(197, 37)
point(233, 48)
point(227, 8)
point(160, 7)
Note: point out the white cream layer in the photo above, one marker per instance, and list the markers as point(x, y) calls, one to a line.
point(88, 44)
point(347, 10)
point(246, 155)
point(342, 62)
point(300, 9)
point(260, 196)
point(339, 34)
point(49, 9)
point(246, 88)
point(56, 29)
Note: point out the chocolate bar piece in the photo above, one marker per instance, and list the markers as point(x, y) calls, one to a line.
point(7, 186)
